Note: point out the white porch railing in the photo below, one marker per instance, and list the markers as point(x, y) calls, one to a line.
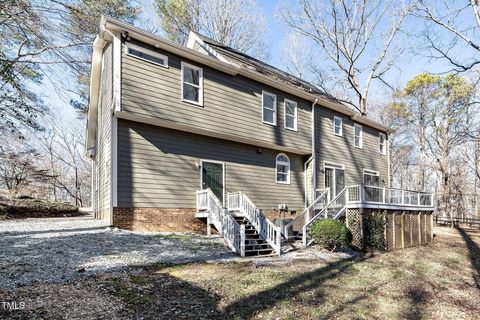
point(226, 225)
point(334, 209)
point(267, 230)
point(297, 224)
point(391, 196)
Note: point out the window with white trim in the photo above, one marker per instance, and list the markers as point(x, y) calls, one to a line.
point(146, 55)
point(269, 106)
point(358, 132)
point(338, 126)
point(290, 115)
point(192, 84)
point(382, 140)
point(371, 177)
point(282, 164)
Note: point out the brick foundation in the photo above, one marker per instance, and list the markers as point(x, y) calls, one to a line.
point(158, 219)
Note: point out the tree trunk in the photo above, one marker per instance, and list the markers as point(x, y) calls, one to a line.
point(421, 162)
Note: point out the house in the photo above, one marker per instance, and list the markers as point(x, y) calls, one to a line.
point(167, 121)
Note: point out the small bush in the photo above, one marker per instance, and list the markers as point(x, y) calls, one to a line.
point(331, 233)
point(374, 228)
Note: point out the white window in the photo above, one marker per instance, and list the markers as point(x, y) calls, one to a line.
point(338, 126)
point(146, 55)
point(358, 135)
point(382, 141)
point(290, 115)
point(269, 105)
point(282, 168)
point(371, 177)
point(192, 84)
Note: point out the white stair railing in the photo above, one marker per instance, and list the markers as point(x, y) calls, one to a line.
point(267, 230)
point(297, 224)
point(334, 209)
point(226, 225)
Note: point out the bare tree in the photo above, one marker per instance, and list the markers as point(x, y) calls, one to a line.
point(18, 167)
point(451, 118)
point(239, 24)
point(297, 56)
point(70, 171)
point(356, 36)
point(452, 35)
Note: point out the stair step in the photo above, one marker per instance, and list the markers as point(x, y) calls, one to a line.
point(259, 250)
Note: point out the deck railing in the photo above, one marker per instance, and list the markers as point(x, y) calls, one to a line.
point(267, 230)
point(391, 196)
point(297, 224)
point(226, 225)
point(333, 209)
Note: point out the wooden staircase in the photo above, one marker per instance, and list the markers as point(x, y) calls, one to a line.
point(255, 245)
point(243, 226)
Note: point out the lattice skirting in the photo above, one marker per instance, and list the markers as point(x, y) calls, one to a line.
point(402, 228)
point(354, 222)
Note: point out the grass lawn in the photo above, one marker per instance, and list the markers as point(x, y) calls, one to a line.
point(438, 281)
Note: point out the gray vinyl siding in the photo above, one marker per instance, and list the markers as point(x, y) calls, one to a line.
point(104, 136)
point(232, 104)
point(342, 151)
point(159, 167)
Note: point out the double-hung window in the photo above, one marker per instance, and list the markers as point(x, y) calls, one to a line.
point(269, 105)
point(290, 115)
point(192, 84)
point(146, 55)
point(382, 139)
point(358, 132)
point(371, 177)
point(338, 126)
point(282, 163)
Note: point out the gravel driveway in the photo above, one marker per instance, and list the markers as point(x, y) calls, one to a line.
point(60, 249)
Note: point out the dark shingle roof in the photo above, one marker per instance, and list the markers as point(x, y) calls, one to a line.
point(261, 67)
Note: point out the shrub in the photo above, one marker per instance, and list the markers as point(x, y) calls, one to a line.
point(374, 228)
point(32, 208)
point(331, 233)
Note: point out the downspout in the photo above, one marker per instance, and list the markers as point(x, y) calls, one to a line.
point(314, 158)
point(305, 181)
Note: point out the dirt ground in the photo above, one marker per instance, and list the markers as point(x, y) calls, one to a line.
point(438, 281)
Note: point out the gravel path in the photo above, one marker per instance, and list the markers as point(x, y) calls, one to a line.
point(61, 249)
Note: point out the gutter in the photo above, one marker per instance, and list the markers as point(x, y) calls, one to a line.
point(95, 73)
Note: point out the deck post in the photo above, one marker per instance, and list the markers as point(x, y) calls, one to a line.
point(393, 230)
point(279, 242)
point(419, 228)
point(209, 227)
point(403, 229)
point(242, 240)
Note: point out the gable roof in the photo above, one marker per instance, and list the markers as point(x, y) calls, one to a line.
point(243, 60)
